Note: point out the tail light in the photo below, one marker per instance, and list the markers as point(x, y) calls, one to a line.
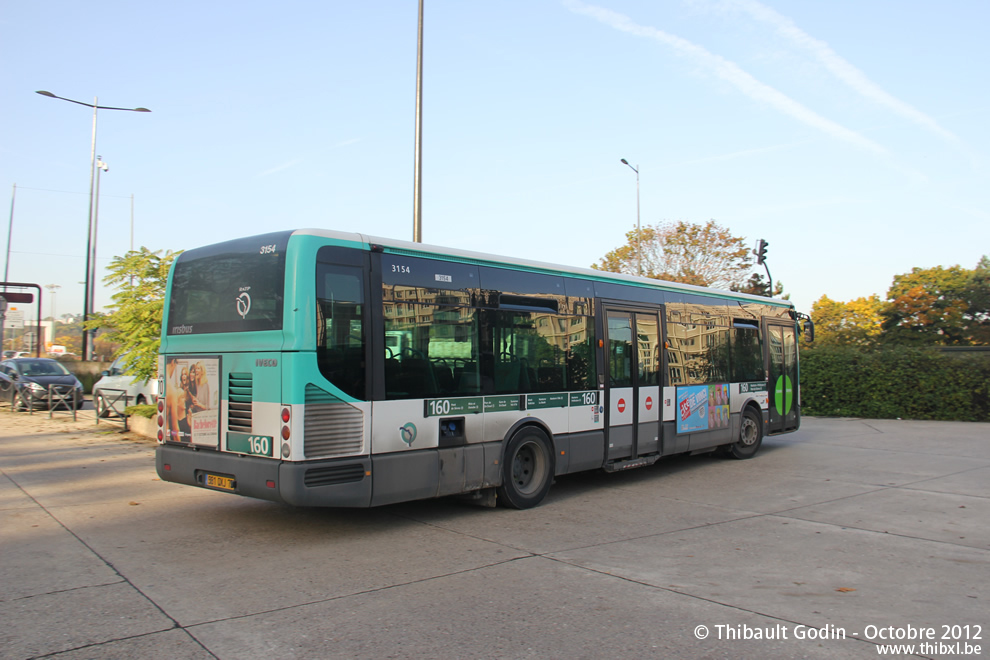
point(161, 420)
point(286, 431)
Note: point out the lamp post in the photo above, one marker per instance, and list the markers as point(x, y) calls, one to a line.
point(6, 266)
point(101, 166)
point(53, 289)
point(418, 170)
point(89, 231)
point(639, 250)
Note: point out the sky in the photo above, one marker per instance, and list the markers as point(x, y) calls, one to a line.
point(851, 135)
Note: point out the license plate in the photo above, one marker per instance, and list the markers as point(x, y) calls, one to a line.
point(216, 481)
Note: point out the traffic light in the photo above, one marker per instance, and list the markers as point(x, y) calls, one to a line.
point(761, 251)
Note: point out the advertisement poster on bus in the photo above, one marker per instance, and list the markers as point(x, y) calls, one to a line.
point(702, 408)
point(192, 395)
point(718, 406)
point(692, 408)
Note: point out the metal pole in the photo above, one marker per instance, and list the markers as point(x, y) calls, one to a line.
point(89, 230)
point(89, 236)
point(639, 237)
point(6, 265)
point(639, 240)
point(53, 289)
point(132, 231)
point(132, 222)
point(10, 230)
point(418, 176)
point(100, 167)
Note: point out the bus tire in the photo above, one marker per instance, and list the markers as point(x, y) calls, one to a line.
point(527, 469)
point(750, 436)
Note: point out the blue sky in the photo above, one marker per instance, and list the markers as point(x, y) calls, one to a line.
point(853, 136)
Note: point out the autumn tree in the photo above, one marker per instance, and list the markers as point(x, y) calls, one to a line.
point(135, 316)
point(704, 255)
point(941, 306)
point(855, 323)
point(69, 335)
point(929, 306)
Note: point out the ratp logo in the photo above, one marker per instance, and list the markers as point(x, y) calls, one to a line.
point(408, 433)
point(243, 304)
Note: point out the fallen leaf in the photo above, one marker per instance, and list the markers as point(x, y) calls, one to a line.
point(845, 589)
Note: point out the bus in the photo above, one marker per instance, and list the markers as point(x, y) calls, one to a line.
point(322, 368)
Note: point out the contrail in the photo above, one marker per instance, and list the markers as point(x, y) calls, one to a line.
point(838, 65)
point(729, 72)
point(278, 168)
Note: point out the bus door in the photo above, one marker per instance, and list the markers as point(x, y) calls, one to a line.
point(782, 347)
point(632, 391)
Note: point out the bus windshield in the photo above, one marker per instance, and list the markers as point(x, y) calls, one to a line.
point(230, 287)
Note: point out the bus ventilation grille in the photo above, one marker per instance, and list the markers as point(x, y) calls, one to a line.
point(332, 427)
point(239, 398)
point(334, 474)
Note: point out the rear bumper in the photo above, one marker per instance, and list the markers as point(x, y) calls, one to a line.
point(329, 483)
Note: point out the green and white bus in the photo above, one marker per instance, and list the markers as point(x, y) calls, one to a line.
point(321, 368)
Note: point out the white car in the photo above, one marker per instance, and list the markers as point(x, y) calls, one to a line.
point(110, 391)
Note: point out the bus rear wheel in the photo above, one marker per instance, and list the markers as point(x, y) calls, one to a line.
point(527, 469)
point(750, 436)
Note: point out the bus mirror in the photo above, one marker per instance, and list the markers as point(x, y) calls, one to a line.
point(806, 327)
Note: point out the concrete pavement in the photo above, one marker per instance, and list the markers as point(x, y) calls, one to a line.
point(856, 526)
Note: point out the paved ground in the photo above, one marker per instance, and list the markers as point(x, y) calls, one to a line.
point(848, 530)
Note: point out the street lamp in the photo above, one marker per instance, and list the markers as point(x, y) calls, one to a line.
point(92, 176)
point(418, 169)
point(101, 166)
point(53, 288)
point(639, 250)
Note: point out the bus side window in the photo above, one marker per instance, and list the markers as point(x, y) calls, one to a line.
point(340, 328)
point(747, 354)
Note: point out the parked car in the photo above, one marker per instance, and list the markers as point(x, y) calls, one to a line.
point(6, 385)
point(30, 379)
point(117, 390)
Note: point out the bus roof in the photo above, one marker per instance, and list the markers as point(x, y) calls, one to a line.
point(394, 246)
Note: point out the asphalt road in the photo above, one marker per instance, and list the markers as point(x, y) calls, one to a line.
point(829, 541)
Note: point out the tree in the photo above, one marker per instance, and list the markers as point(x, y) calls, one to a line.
point(930, 306)
point(757, 286)
point(855, 323)
point(705, 255)
point(69, 335)
point(135, 317)
point(977, 296)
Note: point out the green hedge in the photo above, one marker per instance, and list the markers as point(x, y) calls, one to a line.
point(895, 382)
point(146, 411)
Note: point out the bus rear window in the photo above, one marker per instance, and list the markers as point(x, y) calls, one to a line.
point(235, 286)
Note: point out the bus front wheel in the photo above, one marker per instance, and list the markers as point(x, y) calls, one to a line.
point(527, 469)
point(750, 436)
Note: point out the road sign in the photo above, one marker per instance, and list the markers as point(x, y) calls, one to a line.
point(14, 319)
